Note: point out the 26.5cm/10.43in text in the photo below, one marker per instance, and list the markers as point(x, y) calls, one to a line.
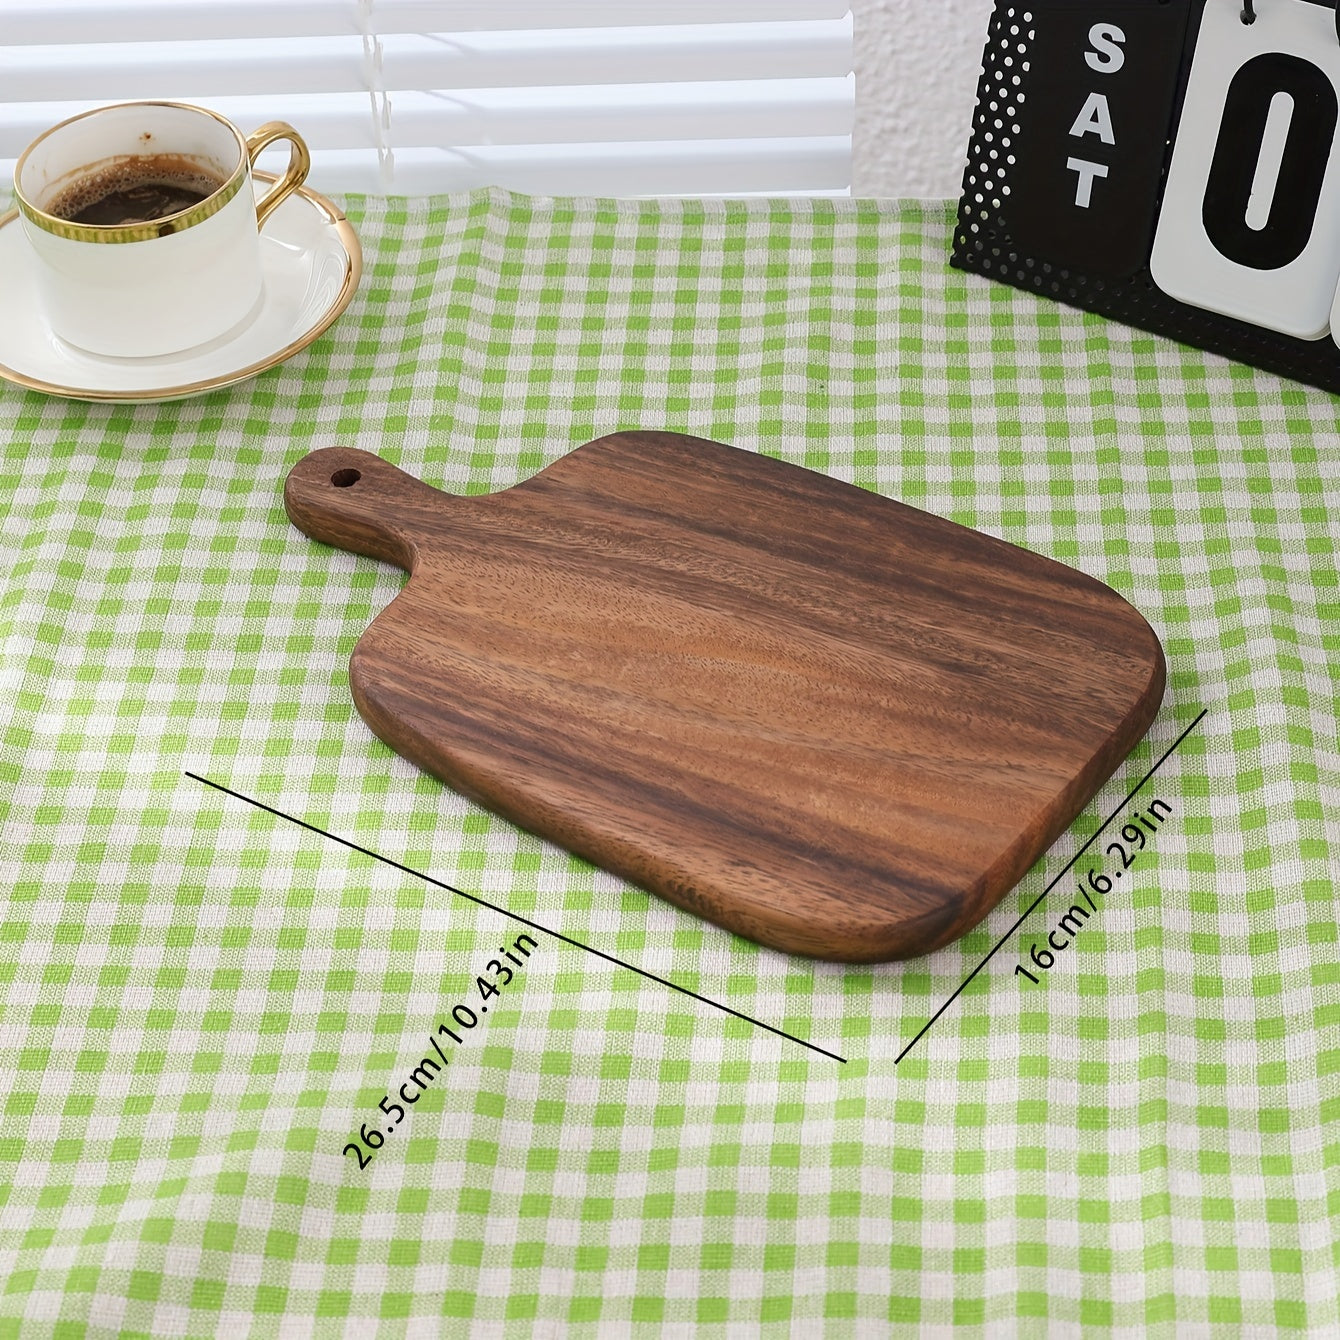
point(463, 1018)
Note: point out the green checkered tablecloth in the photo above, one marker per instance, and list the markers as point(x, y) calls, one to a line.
point(201, 1004)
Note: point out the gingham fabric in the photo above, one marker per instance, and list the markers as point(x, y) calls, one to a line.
point(203, 1003)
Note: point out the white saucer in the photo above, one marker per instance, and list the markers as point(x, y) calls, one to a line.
point(312, 263)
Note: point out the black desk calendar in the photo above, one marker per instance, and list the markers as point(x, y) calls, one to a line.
point(1171, 163)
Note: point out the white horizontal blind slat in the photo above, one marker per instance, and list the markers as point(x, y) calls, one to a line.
point(685, 52)
point(688, 52)
point(129, 70)
point(647, 168)
point(627, 112)
point(818, 165)
point(615, 113)
point(27, 22)
point(707, 99)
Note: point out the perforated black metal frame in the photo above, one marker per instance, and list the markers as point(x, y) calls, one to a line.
point(982, 245)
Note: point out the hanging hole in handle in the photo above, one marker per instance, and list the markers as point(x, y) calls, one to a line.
point(342, 479)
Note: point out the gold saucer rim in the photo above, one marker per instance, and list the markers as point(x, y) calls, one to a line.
point(353, 273)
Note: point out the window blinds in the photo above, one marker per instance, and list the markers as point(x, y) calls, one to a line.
point(573, 97)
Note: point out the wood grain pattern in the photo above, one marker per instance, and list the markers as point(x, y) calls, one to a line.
point(833, 723)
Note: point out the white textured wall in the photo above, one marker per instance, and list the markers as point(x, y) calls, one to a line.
point(916, 81)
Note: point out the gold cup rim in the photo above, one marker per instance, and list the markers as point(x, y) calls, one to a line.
point(133, 232)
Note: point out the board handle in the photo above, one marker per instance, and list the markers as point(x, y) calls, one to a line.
point(355, 500)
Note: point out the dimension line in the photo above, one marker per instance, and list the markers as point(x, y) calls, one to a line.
point(525, 921)
point(1051, 886)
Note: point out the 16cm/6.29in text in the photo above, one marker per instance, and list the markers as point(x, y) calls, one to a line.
point(1134, 835)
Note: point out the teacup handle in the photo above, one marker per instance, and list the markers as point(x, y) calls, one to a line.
point(299, 160)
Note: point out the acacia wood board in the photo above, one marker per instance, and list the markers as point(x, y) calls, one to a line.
point(833, 723)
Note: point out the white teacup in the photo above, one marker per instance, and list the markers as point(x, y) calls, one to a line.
point(134, 290)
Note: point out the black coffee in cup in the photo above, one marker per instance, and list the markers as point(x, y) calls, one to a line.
point(135, 190)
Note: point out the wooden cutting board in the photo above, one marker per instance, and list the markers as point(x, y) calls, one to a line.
point(833, 723)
